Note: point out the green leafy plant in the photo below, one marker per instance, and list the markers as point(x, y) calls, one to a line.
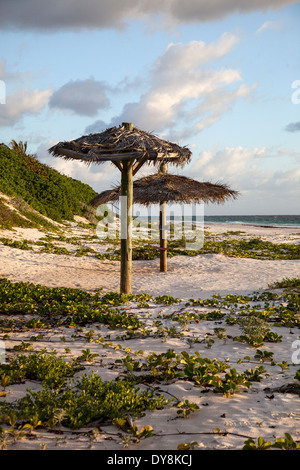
point(221, 333)
point(283, 365)
point(254, 330)
point(166, 299)
point(46, 367)
point(131, 364)
point(87, 355)
point(73, 305)
point(260, 444)
point(143, 433)
point(186, 407)
point(85, 400)
point(263, 355)
point(23, 346)
point(287, 443)
point(187, 445)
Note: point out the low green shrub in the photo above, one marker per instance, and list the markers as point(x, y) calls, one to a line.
point(84, 401)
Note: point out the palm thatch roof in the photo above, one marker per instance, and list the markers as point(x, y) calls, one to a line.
point(117, 144)
point(165, 187)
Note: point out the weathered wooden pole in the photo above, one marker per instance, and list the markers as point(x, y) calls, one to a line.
point(126, 222)
point(162, 229)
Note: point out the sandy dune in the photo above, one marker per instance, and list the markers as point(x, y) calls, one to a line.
point(187, 277)
point(220, 423)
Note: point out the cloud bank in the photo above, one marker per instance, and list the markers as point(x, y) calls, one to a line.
point(245, 170)
point(186, 92)
point(20, 102)
point(293, 127)
point(97, 176)
point(75, 14)
point(84, 97)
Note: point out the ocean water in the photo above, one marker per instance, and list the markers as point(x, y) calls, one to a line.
point(292, 221)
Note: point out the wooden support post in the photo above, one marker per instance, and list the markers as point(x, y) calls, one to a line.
point(126, 222)
point(162, 229)
point(126, 229)
point(172, 225)
point(128, 126)
point(182, 226)
point(163, 237)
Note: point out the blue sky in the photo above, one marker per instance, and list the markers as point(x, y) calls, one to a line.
point(217, 77)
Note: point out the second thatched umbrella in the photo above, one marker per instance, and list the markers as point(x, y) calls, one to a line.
point(162, 188)
point(128, 148)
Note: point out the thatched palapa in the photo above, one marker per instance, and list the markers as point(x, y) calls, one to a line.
point(119, 144)
point(128, 148)
point(163, 188)
point(166, 187)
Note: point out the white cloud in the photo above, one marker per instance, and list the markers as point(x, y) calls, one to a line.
point(259, 174)
point(234, 163)
point(20, 102)
point(216, 103)
point(99, 177)
point(184, 91)
point(253, 173)
point(268, 25)
point(83, 97)
point(184, 57)
point(7, 75)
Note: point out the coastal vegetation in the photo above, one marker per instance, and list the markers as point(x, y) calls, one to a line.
point(249, 248)
point(73, 393)
point(143, 250)
point(37, 190)
point(101, 363)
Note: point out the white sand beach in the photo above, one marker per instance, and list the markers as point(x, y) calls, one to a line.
point(220, 422)
point(196, 276)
